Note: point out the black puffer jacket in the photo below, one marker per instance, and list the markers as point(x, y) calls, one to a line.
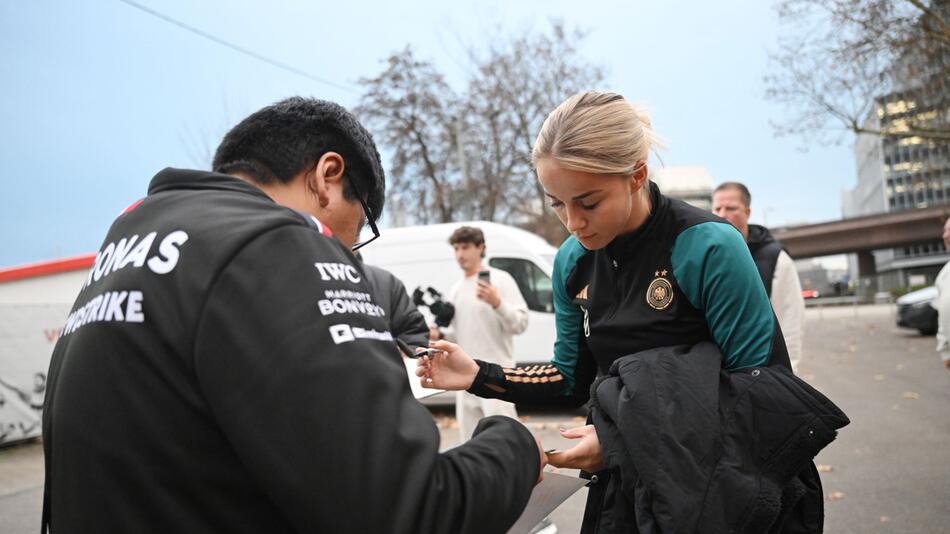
point(693, 448)
point(765, 250)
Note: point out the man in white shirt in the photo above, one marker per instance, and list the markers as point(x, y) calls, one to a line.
point(489, 311)
point(943, 303)
point(732, 201)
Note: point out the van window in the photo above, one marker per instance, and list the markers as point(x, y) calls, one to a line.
point(535, 286)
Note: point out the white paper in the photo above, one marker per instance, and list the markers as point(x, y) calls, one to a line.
point(548, 495)
point(418, 391)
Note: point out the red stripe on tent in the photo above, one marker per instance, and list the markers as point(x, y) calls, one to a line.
point(34, 270)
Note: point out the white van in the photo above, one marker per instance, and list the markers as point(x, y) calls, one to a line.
point(421, 256)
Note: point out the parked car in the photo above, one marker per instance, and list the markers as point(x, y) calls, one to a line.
point(917, 310)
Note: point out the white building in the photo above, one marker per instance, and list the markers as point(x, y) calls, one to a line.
point(693, 185)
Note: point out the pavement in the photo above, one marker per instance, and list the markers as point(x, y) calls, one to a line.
point(888, 471)
point(21, 488)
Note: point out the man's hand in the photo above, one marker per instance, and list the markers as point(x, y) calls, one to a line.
point(488, 293)
point(451, 369)
point(586, 455)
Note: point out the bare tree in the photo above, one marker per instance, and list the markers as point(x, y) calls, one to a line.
point(413, 110)
point(838, 61)
point(519, 81)
point(470, 152)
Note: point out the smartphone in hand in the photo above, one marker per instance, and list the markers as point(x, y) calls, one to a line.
point(485, 276)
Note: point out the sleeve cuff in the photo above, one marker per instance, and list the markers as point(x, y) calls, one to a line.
point(488, 374)
point(484, 371)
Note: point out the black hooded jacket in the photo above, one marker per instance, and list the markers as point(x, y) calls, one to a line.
point(226, 368)
point(765, 250)
point(679, 465)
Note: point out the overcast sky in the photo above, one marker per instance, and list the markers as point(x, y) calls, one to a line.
point(97, 96)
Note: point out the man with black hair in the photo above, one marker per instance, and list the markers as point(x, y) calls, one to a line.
point(226, 367)
point(732, 201)
point(273, 148)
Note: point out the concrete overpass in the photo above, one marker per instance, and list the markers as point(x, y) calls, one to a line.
point(858, 234)
point(861, 235)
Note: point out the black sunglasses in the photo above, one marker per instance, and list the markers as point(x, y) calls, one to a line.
point(370, 218)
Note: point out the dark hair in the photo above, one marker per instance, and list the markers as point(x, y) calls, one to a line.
point(282, 140)
point(743, 191)
point(467, 234)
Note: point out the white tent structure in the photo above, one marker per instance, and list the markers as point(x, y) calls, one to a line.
point(34, 302)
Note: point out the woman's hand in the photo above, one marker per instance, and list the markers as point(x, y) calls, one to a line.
point(451, 369)
point(586, 455)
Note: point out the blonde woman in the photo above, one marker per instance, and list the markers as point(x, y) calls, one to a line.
point(640, 271)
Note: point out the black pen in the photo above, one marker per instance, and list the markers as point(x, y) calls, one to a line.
point(407, 350)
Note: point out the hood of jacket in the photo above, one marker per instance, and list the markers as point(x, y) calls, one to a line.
point(759, 236)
